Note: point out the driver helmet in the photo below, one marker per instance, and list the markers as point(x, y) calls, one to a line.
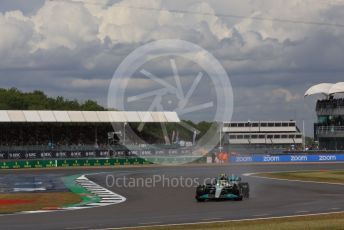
point(223, 176)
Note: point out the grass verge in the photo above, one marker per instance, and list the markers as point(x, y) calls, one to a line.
point(333, 176)
point(317, 222)
point(36, 201)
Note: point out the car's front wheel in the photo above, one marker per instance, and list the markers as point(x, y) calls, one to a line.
point(200, 191)
point(200, 199)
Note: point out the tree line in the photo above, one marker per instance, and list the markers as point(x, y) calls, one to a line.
point(14, 99)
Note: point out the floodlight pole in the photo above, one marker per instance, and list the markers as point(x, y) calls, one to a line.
point(125, 124)
point(303, 135)
point(249, 130)
point(303, 125)
point(220, 147)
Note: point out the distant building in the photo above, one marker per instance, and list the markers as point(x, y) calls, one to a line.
point(262, 135)
point(329, 128)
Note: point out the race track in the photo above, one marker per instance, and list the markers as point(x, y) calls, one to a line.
point(167, 205)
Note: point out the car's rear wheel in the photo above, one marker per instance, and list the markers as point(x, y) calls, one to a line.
point(200, 199)
point(239, 198)
point(245, 190)
point(236, 190)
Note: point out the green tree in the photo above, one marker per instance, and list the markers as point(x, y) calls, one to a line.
point(14, 99)
point(90, 105)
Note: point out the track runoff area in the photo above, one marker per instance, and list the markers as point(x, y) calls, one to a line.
point(123, 197)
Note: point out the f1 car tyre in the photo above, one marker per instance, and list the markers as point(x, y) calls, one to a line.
point(245, 190)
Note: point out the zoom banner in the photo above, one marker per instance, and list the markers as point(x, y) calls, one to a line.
point(287, 158)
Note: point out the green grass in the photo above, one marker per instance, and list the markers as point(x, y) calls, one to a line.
point(49, 200)
point(318, 222)
point(319, 176)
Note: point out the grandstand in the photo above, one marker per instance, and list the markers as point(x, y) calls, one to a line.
point(262, 136)
point(58, 134)
point(329, 129)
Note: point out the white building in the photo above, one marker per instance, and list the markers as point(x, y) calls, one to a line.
point(282, 134)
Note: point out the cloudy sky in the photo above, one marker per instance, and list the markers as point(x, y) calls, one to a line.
point(272, 50)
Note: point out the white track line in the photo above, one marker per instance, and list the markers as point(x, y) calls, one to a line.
point(301, 211)
point(261, 215)
point(302, 181)
point(222, 221)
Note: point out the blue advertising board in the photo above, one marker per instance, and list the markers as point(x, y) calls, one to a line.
point(287, 158)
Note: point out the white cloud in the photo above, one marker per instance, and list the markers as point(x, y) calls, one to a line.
point(89, 83)
point(285, 94)
point(79, 25)
point(16, 33)
point(72, 43)
point(64, 24)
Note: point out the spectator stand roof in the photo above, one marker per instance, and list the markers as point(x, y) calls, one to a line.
point(86, 116)
point(326, 89)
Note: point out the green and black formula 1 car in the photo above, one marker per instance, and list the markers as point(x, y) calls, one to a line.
point(223, 188)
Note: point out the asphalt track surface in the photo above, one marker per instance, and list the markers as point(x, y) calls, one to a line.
point(167, 205)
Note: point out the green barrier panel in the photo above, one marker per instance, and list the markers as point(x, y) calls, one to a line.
point(5, 165)
point(49, 164)
point(15, 164)
point(98, 162)
point(86, 163)
point(63, 163)
point(27, 164)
